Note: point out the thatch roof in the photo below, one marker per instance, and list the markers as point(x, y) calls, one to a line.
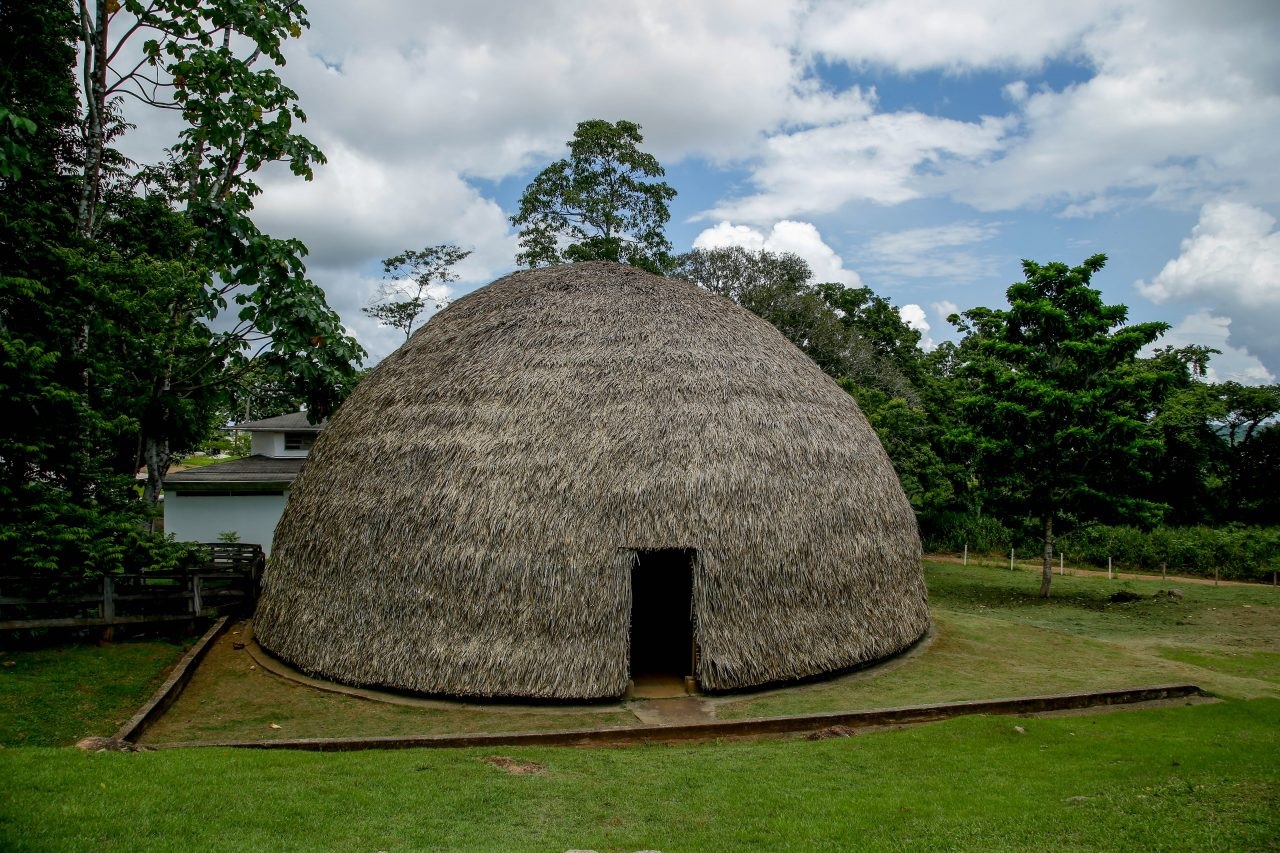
point(462, 526)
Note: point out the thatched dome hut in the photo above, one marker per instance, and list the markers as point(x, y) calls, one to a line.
point(581, 472)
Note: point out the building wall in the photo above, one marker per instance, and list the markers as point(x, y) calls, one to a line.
point(192, 517)
point(272, 444)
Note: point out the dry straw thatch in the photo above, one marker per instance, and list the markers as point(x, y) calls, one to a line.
point(468, 522)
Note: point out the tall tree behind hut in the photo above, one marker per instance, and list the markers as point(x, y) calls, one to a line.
point(600, 203)
point(61, 503)
point(133, 297)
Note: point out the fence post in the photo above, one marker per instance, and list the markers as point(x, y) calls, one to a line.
point(1010, 559)
point(108, 609)
point(1108, 568)
point(1062, 569)
point(108, 598)
point(1215, 574)
point(1164, 570)
point(196, 604)
point(966, 554)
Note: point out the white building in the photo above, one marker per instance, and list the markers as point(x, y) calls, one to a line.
point(241, 496)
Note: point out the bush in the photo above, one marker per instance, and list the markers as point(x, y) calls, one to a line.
point(982, 534)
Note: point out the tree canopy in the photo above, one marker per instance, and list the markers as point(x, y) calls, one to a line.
point(598, 204)
point(134, 298)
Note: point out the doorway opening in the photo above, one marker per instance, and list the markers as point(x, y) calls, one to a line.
point(662, 615)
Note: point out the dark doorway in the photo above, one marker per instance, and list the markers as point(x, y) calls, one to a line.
point(662, 613)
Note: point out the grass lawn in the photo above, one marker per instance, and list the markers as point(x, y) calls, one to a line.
point(231, 698)
point(1198, 777)
point(1203, 776)
point(994, 637)
point(56, 696)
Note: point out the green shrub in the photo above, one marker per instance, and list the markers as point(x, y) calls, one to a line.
point(982, 534)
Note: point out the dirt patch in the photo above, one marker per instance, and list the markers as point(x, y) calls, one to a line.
point(514, 766)
point(686, 710)
point(830, 732)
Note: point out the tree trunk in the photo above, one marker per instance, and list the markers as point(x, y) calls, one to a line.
point(94, 32)
point(158, 458)
point(1046, 574)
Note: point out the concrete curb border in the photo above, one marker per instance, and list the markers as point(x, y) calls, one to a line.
point(727, 729)
point(166, 694)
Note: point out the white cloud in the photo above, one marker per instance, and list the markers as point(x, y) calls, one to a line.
point(914, 35)
point(1231, 265)
point(486, 90)
point(1204, 329)
point(1016, 91)
point(909, 244)
point(1088, 209)
point(799, 238)
point(934, 252)
point(359, 207)
point(1182, 102)
point(913, 315)
point(944, 308)
point(882, 158)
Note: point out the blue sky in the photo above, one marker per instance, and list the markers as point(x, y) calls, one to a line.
point(921, 147)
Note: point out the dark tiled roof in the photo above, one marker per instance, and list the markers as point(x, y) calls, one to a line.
point(251, 469)
point(292, 422)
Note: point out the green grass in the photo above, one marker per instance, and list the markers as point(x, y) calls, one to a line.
point(56, 696)
point(995, 637)
point(194, 461)
point(1200, 777)
point(230, 698)
point(1264, 666)
point(972, 657)
point(1081, 605)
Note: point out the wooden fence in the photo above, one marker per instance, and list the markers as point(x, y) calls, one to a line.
point(228, 580)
